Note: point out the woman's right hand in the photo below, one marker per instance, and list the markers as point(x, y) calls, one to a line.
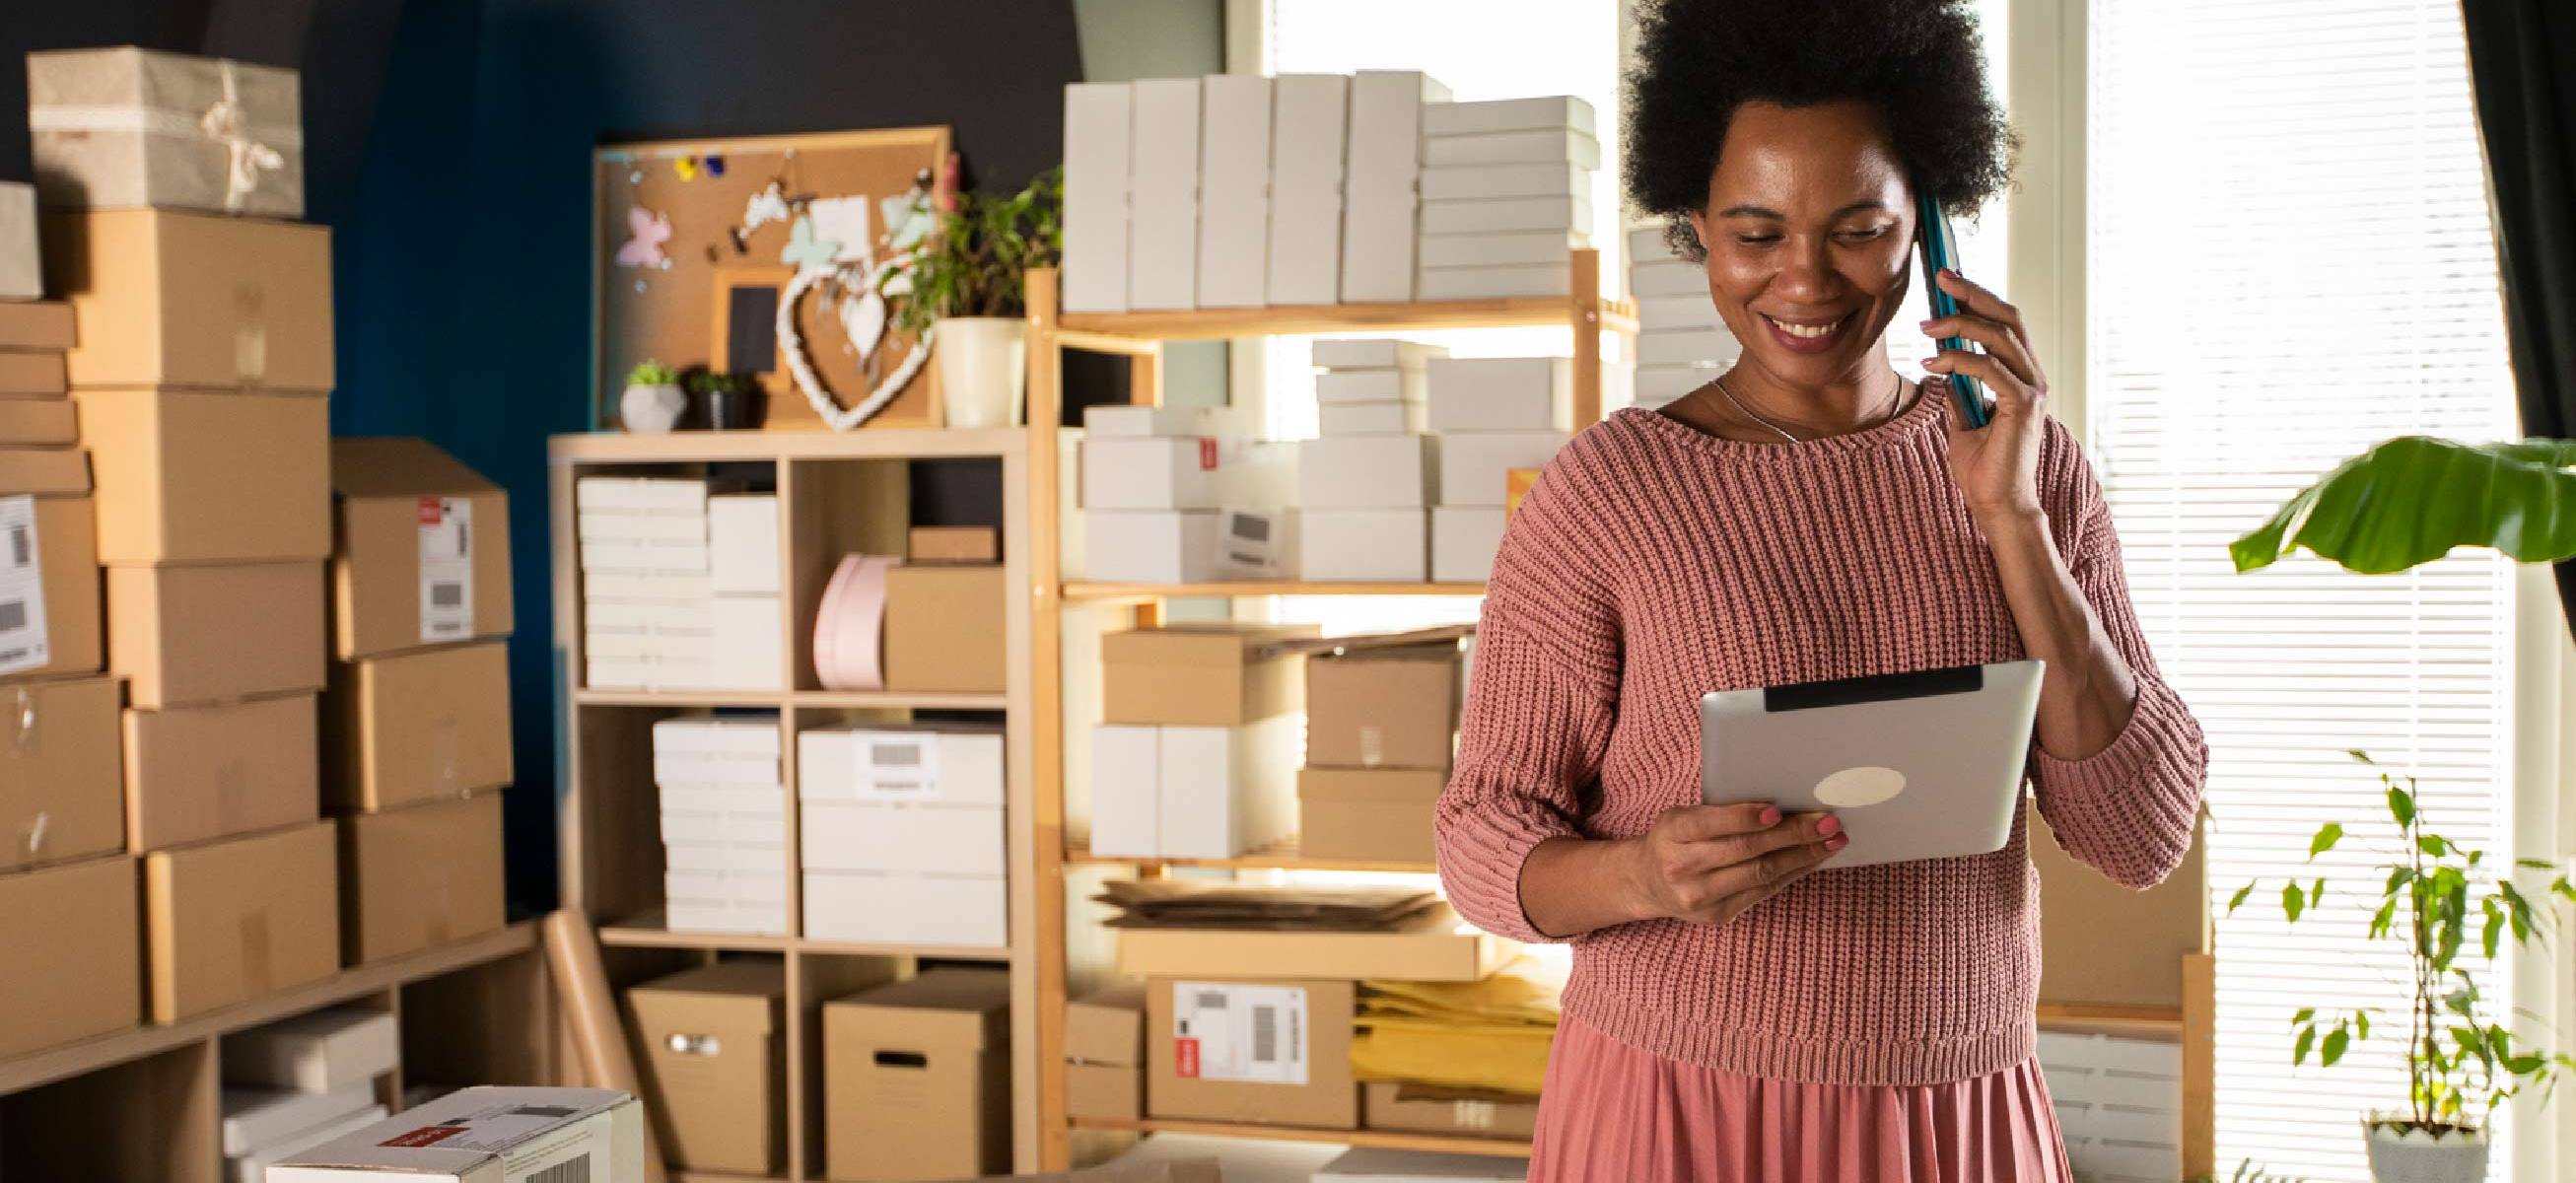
point(1708, 863)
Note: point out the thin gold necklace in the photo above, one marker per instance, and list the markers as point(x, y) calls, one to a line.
point(1896, 396)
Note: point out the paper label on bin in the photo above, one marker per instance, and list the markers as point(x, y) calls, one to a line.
point(897, 767)
point(446, 569)
point(538, 1143)
point(1232, 1032)
point(23, 636)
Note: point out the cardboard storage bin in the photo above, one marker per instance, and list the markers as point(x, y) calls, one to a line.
point(238, 919)
point(1384, 1108)
point(944, 628)
point(1374, 815)
point(420, 877)
point(429, 725)
point(73, 934)
point(1435, 946)
point(1200, 674)
point(208, 476)
point(1269, 1051)
point(67, 613)
point(1395, 707)
point(422, 553)
point(124, 126)
point(59, 784)
point(178, 299)
point(181, 635)
point(715, 1065)
point(198, 773)
point(917, 1078)
point(1104, 1054)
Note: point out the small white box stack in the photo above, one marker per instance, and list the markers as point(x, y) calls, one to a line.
point(903, 837)
point(724, 824)
point(1681, 343)
point(750, 626)
point(1491, 415)
point(1193, 792)
point(648, 603)
point(1157, 487)
point(1381, 224)
point(298, 1083)
point(1506, 192)
point(2119, 1104)
point(1364, 487)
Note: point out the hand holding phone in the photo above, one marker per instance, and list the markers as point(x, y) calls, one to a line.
point(1941, 253)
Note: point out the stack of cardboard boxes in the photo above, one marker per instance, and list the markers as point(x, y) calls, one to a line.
point(418, 716)
point(1681, 343)
point(902, 836)
point(1494, 416)
point(1200, 729)
point(1507, 196)
point(1381, 725)
point(724, 824)
point(648, 598)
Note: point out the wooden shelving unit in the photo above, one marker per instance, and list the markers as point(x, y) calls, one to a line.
point(1066, 960)
point(838, 493)
point(1282, 855)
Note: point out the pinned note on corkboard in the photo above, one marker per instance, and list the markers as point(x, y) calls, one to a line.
point(698, 243)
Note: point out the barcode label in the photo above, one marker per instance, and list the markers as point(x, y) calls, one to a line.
point(543, 1111)
point(1265, 1035)
point(895, 755)
point(25, 641)
point(446, 526)
point(1252, 527)
point(446, 595)
point(1211, 1000)
point(570, 1171)
point(1225, 1031)
point(13, 616)
point(896, 766)
point(22, 546)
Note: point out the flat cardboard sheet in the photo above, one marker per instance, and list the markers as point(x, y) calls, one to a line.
point(1435, 947)
point(175, 481)
point(73, 934)
point(198, 773)
point(420, 877)
point(230, 921)
point(167, 298)
point(427, 725)
point(399, 502)
point(184, 635)
point(58, 759)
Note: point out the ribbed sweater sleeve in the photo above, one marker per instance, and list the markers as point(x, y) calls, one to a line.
point(1539, 712)
point(2128, 810)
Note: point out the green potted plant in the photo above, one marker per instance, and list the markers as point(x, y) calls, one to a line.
point(970, 280)
point(731, 400)
point(653, 400)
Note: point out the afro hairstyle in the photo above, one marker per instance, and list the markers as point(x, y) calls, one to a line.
point(1917, 61)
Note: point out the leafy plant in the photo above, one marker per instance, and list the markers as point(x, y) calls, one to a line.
point(2411, 499)
point(2246, 1172)
point(2459, 1064)
point(978, 262)
point(703, 382)
point(652, 373)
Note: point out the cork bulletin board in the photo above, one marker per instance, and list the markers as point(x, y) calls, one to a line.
point(692, 252)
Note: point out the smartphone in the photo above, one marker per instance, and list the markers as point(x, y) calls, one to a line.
point(1940, 252)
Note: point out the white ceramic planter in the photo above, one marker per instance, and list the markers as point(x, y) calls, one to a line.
point(2415, 1157)
point(983, 369)
point(652, 409)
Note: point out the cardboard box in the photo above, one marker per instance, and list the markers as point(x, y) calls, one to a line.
point(1558, 145)
point(917, 1078)
point(58, 757)
point(1378, 217)
point(1558, 214)
point(1374, 353)
point(36, 324)
point(1097, 129)
point(1475, 466)
point(2102, 944)
point(1550, 113)
point(1392, 707)
point(57, 583)
point(715, 1063)
point(944, 628)
point(119, 127)
point(1369, 815)
point(423, 552)
point(259, 1117)
point(1234, 190)
point(1517, 248)
point(179, 299)
point(22, 271)
point(488, 1135)
point(743, 556)
point(1308, 148)
point(1494, 283)
point(1366, 472)
point(323, 1051)
point(72, 932)
point(173, 486)
point(1104, 1053)
point(1151, 545)
point(907, 908)
point(1160, 472)
point(1383, 1108)
point(957, 544)
point(1200, 674)
point(60, 472)
point(429, 725)
point(1500, 393)
point(233, 920)
point(903, 836)
point(253, 1167)
point(1391, 384)
point(1464, 541)
point(1204, 1044)
point(420, 877)
point(1363, 545)
point(1433, 947)
point(1162, 195)
point(199, 773)
point(1485, 182)
point(45, 422)
point(28, 373)
point(745, 653)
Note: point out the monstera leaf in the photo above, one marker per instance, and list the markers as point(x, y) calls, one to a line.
point(2410, 500)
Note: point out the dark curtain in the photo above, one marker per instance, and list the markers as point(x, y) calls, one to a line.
point(2522, 63)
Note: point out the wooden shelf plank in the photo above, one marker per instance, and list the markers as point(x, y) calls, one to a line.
point(871, 699)
point(72, 1059)
point(677, 698)
point(651, 931)
point(708, 447)
point(1382, 1139)
point(873, 949)
point(1217, 323)
point(1084, 590)
point(1283, 855)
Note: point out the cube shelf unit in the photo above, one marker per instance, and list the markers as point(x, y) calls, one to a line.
point(146, 1102)
point(1073, 956)
point(838, 493)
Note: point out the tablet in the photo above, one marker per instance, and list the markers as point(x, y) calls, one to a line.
point(1917, 765)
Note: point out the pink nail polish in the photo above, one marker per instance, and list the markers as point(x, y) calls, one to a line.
point(1837, 842)
point(1770, 815)
point(1830, 826)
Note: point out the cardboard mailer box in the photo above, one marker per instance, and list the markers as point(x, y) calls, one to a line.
point(59, 763)
point(420, 877)
point(917, 1078)
point(954, 544)
point(318, 1052)
point(1394, 707)
point(2101, 944)
point(22, 272)
point(181, 299)
point(196, 634)
point(429, 725)
point(488, 1135)
point(1203, 674)
point(73, 938)
point(36, 324)
point(943, 628)
point(233, 920)
point(422, 555)
point(51, 553)
point(1104, 1053)
point(714, 1062)
point(198, 773)
point(42, 422)
point(202, 476)
point(126, 126)
point(31, 374)
point(1384, 1107)
point(1435, 946)
point(59, 472)
point(1374, 815)
point(1251, 1048)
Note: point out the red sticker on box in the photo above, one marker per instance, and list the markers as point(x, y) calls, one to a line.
point(1185, 1056)
point(1207, 454)
point(427, 1136)
point(429, 510)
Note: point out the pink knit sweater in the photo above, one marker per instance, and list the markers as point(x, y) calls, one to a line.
point(1654, 563)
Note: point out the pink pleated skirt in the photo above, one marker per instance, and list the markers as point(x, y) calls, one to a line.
point(1612, 1112)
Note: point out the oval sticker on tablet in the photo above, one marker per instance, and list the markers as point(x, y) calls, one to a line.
point(1853, 788)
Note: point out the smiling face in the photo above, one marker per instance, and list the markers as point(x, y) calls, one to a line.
point(1809, 227)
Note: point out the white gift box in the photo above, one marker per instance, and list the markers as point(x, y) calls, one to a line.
point(1128, 422)
point(1475, 466)
point(907, 908)
point(1495, 283)
point(1234, 190)
point(1668, 277)
point(1150, 545)
point(742, 532)
point(1505, 249)
point(1363, 545)
point(1542, 146)
point(1368, 418)
point(1163, 195)
point(1374, 353)
point(1308, 149)
point(1680, 347)
point(1464, 540)
point(902, 836)
point(1366, 471)
point(1485, 182)
point(1097, 118)
point(1382, 207)
point(1691, 310)
point(1257, 543)
point(948, 765)
point(1193, 792)
point(1369, 386)
point(1501, 394)
point(1484, 215)
point(1547, 113)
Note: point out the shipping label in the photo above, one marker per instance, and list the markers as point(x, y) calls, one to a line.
point(24, 643)
point(897, 767)
point(1233, 1032)
point(446, 569)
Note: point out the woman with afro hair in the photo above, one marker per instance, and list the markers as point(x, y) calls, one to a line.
point(1736, 1013)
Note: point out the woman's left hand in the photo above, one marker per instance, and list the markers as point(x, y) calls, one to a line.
point(1996, 466)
